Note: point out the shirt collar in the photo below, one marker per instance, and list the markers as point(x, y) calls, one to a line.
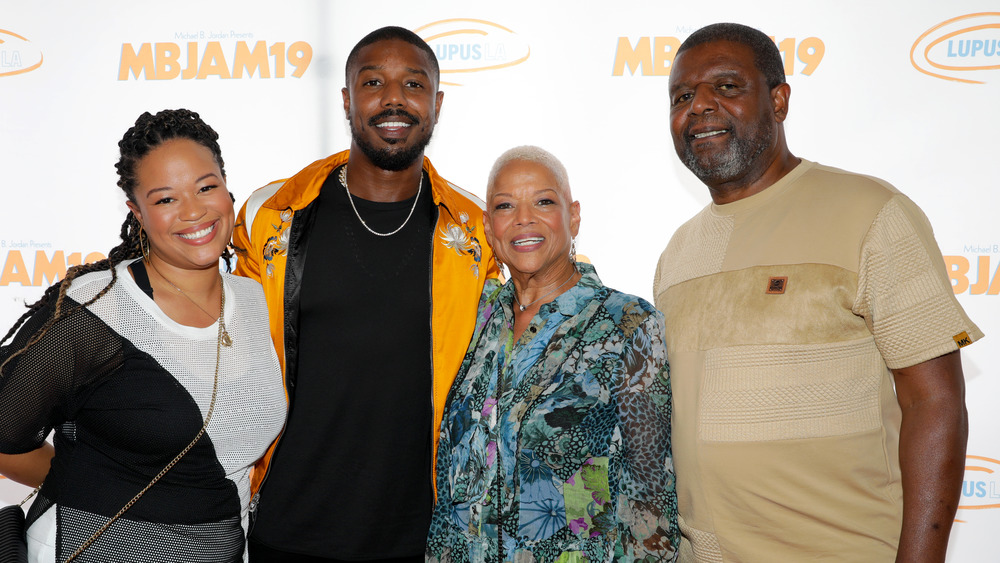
point(569, 303)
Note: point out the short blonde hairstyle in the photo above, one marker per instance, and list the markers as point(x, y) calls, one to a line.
point(530, 153)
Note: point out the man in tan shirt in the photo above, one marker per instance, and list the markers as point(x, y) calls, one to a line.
point(813, 336)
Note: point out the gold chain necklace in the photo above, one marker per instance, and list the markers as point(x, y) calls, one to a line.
point(224, 339)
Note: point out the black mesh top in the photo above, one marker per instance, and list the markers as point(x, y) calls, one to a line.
point(125, 388)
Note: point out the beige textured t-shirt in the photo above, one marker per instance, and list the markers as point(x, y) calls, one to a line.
point(784, 313)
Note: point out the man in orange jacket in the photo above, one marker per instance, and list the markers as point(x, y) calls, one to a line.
point(372, 266)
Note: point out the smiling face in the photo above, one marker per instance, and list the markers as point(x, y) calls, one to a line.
point(183, 205)
point(724, 119)
point(530, 221)
point(392, 103)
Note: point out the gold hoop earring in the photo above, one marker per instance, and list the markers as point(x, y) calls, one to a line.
point(143, 244)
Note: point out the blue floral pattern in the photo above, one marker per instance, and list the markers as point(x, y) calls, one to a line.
point(558, 445)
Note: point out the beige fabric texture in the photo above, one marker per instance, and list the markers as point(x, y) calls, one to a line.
point(786, 424)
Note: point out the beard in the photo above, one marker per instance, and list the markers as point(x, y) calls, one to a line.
point(392, 158)
point(735, 160)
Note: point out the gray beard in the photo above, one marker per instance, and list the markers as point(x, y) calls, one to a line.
point(735, 162)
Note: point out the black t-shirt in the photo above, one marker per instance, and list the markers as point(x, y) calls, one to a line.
point(351, 478)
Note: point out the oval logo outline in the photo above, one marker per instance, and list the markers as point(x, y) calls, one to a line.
point(478, 32)
point(981, 468)
point(927, 57)
point(4, 34)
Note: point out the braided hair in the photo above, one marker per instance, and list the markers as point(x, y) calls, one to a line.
point(149, 132)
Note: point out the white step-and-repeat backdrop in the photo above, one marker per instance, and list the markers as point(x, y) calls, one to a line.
point(906, 91)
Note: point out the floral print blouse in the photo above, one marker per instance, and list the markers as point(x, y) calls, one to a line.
point(557, 446)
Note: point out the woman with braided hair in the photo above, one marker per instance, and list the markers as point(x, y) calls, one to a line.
point(136, 358)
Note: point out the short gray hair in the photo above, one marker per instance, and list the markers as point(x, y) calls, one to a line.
point(766, 56)
point(530, 153)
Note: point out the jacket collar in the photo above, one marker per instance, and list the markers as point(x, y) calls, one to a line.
point(301, 189)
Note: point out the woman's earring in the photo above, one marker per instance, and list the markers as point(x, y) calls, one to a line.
point(144, 244)
point(572, 251)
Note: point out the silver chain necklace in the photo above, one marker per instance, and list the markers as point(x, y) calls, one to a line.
point(523, 307)
point(343, 180)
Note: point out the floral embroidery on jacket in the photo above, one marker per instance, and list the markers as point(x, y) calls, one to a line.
point(559, 443)
point(460, 239)
point(277, 244)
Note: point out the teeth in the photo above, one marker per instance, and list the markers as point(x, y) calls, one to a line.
point(527, 241)
point(393, 124)
point(198, 234)
point(709, 134)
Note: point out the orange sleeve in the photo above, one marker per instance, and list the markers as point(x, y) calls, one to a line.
point(246, 264)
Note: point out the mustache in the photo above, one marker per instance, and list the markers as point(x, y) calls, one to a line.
point(713, 122)
point(373, 120)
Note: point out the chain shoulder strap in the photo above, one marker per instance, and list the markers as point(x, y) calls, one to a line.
point(169, 466)
point(31, 494)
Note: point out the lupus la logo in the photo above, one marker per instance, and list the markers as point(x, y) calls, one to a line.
point(981, 487)
point(465, 45)
point(17, 54)
point(963, 49)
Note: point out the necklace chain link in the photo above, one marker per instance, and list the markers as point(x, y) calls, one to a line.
point(343, 180)
point(523, 307)
point(225, 339)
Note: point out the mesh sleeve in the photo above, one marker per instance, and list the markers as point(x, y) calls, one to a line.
point(41, 387)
